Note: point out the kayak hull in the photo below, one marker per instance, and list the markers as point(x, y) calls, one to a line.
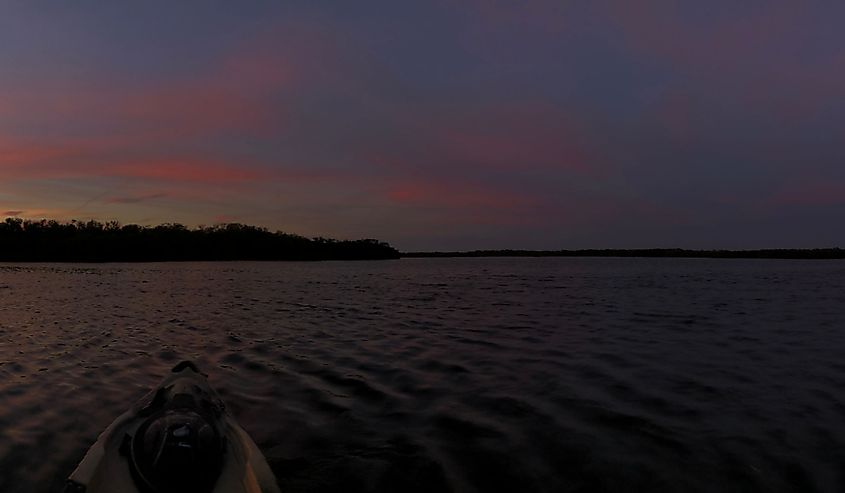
point(108, 467)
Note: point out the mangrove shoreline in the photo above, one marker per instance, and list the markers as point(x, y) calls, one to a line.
point(92, 241)
point(774, 253)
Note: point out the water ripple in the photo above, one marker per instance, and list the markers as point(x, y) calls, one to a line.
point(448, 374)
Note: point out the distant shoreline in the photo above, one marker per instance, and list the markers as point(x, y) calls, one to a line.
point(95, 242)
point(815, 253)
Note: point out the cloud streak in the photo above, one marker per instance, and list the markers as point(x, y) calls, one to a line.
point(135, 199)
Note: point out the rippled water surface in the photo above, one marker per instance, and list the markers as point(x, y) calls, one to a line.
point(448, 374)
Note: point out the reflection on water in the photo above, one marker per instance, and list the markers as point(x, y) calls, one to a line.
point(448, 374)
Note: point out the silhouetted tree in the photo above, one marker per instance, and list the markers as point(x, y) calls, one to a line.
point(92, 241)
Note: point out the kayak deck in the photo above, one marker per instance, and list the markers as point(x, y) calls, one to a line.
point(161, 445)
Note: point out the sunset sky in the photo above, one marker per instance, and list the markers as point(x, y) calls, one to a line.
point(438, 124)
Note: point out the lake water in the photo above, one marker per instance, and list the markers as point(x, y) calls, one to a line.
point(556, 374)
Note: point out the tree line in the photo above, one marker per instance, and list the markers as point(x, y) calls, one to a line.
point(93, 241)
point(775, 253)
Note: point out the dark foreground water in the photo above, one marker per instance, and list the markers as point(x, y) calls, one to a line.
point(448, 374)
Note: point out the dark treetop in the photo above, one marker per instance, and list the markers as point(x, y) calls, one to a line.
point(52, 241)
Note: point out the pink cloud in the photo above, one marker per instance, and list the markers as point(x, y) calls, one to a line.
point(229, 97)
point(58, 214)
point(471, 205)
point(225, 218)
point(92, 158)
point(196, 110)
point(457, 196)
point(134, 199)
point(469, 208)
point(520, 149)
point(811, 194)
point(514, 137)
point(149, 131)
point(13, 154)
point(184, 170)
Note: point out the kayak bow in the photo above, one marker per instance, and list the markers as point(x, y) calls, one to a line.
point(177, 439)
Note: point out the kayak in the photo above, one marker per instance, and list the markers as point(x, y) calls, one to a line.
point(177, 439)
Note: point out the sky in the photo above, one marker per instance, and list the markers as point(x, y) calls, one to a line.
point(433, 125)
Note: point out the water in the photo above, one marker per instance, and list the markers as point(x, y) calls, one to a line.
point(448, 374)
